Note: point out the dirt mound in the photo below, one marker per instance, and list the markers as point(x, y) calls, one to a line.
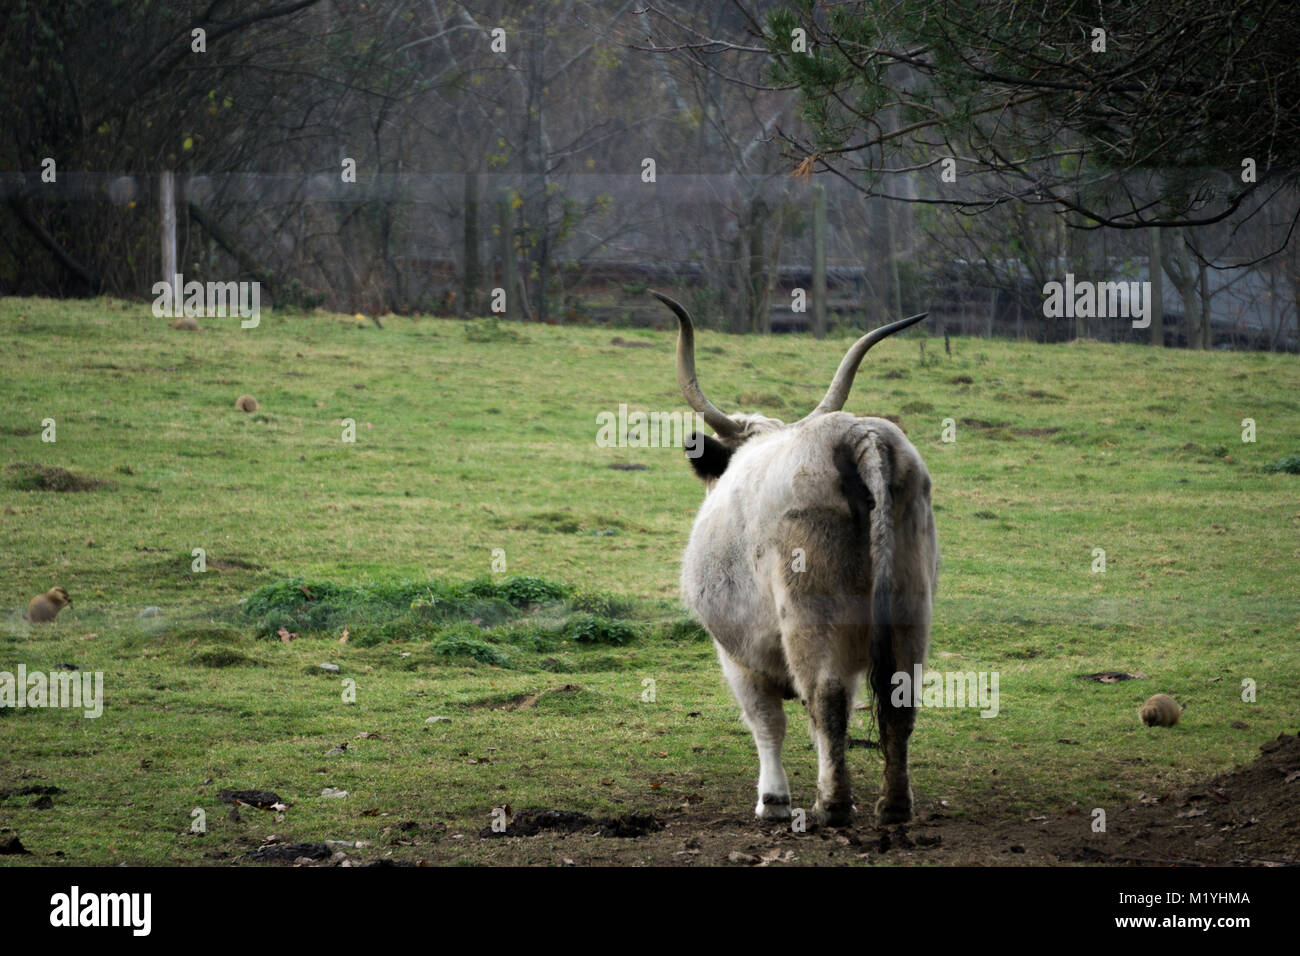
point(1250, 815)
point(28, 477)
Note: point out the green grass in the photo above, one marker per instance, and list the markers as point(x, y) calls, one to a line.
point(477, 443)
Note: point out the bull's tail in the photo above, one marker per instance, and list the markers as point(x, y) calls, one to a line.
point(876, 467)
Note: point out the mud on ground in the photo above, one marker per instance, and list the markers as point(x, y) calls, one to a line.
point(1247, 817)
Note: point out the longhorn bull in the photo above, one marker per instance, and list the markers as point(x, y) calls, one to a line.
point(811, 563)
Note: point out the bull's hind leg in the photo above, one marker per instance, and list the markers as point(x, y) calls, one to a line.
point(829, 709)
point(896, 723)
point(761, 702)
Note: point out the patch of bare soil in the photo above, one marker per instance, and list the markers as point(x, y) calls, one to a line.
point(522, 701)
point(1247, 817)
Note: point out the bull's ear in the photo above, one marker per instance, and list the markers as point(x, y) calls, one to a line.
point(708, 456)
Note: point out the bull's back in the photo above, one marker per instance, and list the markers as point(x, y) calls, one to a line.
point(784, 537)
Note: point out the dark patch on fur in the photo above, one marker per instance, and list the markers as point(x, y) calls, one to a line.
point(713, 458)
point(833, 712)
point(854, 489)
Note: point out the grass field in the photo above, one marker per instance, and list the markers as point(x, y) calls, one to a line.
point(471, 438)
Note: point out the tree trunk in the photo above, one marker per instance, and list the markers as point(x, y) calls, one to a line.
point(1156, 307)
point(819, 262)
point(1178, 264)
point(738, 306)
point(759, 306)
point(1206, 337)
point(471, 275)
point(167, 222)
point(506, 226)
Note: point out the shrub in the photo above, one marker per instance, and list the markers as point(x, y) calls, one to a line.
point(592, 629)
point(1289, 465)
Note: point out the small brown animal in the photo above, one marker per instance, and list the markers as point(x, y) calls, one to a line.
point(46, 607)
point(188, 323)
point(1160, 711)
point(246, 403)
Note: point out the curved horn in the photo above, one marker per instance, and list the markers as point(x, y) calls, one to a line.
point(838, 393)
point(690, 385)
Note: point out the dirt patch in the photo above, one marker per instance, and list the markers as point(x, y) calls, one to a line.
point(624, 343)
point(290, 852)
point(980, 424)
point(1247, 817)
point(37, 791)
point(1112, 677)
point(224, 659)
point(232, 564)
point(261, 799)
point(521, 701)
point(1034, 432)
point(25, 476)
point(533, 822)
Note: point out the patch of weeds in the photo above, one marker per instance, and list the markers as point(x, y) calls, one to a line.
point(491, 329)
point(1289, 465)
point(604, 605)
point(460, 643)
point(523, 591)
point(594, 629)
point(529, 636)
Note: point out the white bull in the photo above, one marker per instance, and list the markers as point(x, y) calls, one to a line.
point(812, 562)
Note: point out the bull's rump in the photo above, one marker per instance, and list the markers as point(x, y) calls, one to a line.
point(779, 562)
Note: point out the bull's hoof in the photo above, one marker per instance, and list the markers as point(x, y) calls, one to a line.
point(773, 807)
point(890, 812)
point(832, 814)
